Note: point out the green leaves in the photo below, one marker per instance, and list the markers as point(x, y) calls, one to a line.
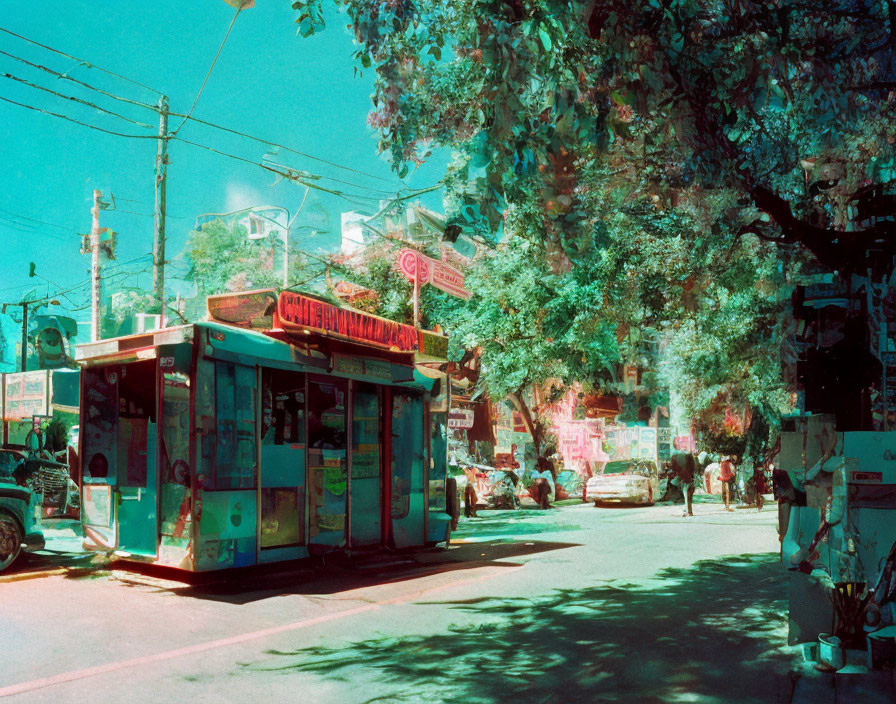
point(309, 16)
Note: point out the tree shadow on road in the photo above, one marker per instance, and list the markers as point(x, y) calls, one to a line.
point(714, 632)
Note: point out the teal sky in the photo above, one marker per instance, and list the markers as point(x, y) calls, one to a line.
point(268, 82)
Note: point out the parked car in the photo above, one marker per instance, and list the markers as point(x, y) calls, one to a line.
point(626, 481)
point(19, 511)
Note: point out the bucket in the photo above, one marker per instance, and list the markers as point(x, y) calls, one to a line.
point(881, 652)
point(830, 651)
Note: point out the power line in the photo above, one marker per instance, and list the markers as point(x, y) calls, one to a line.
point(39, 222)
point(186, 117)
point(77, 100)
point(79, 122)
point(26, 229)
point(291, 176)
point(270, 143)
point(210, 69)
point(114, 268)
point(80, 61)
point(75, 80)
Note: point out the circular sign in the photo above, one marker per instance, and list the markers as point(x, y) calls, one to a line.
point(409, 261)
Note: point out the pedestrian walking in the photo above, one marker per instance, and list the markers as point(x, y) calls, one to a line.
point(684, 466)
point(726, 476)
point(470, 500)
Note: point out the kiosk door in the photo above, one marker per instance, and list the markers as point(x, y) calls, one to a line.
point(327, 471)
point(366, 485)
point(120, 470)
point(137, 490)
point(282, 479)
point(407, 470)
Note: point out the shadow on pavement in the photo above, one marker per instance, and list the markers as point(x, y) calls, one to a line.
point(714, 632)
point(334, 574)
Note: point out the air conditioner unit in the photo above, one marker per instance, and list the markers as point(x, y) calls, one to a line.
point(147, 322)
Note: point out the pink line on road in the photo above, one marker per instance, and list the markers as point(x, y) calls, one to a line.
point(73, 675)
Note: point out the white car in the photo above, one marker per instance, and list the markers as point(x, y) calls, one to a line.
point(626, 481)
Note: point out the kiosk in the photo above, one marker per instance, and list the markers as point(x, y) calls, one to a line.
point(283, 428)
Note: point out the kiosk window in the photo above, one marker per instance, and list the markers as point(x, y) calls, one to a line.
point(283, 408)
point(235, 448)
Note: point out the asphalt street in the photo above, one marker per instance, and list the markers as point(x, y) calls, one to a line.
point(574, 604)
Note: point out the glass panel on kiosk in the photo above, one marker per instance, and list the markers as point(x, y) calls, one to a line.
point(327, 475)
point(99, 450)
point(136, 465)
point(282, 472)
point(366, 523)
point(407, 510)
point(174, 464)
point(226, 399)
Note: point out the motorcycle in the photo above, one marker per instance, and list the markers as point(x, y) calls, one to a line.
point(503, 494)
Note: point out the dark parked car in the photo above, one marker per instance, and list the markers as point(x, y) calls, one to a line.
point(19, 510)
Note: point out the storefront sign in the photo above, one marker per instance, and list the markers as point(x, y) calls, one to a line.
point(460, 418)
point(297, 311)
point(433, 345)
point(358, 366)
point(431, 271)
point(248, 309)
point(26, 395)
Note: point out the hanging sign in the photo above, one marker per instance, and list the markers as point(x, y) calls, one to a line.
point(460, 418)
point(247, 309)
point(297, 311)
point(432, 271)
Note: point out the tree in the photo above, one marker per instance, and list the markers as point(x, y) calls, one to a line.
point(222, 258)
point(751, 121)
point(787, 104)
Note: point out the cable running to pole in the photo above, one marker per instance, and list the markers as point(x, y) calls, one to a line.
point(210, 69)
point(75, 80)
point(84, 62)
point(77, 100)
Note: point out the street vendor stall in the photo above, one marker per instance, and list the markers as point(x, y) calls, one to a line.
point(293, 428)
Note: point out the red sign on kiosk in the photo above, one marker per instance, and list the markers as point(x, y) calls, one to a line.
point(297, 311)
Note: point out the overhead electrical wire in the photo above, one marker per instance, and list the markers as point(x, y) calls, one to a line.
point(284, 174)
point(84, 62)
point(39, 222)
point(210, 69)
point(78, 122)
point(77, 100)
point(27, 229)
point(270, 143)
point(66, 77)
point(112, 270)
point(172, 135)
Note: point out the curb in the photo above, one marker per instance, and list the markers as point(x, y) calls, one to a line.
point(23, 576)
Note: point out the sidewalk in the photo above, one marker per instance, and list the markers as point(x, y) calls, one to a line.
point(62, 554)
point(813, 687)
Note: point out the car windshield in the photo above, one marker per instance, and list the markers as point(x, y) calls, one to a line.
point(617, 467)
point(8, 462)
point(629, 467)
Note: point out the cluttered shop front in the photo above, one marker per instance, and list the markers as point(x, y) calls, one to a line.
point(285, 427)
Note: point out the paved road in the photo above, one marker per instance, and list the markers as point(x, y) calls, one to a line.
point(571, 605)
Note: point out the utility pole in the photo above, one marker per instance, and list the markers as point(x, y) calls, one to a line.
point(158, 245)
point(95, 268)
point(25, 335)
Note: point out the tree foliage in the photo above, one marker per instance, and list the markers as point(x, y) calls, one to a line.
point(787, 103)
point(222, 258)
point(634, 161)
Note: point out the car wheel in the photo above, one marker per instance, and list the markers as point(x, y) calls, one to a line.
point(10, 540)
